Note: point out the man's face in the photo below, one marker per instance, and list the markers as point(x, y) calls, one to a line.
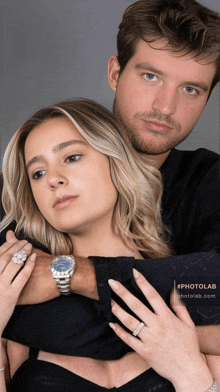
point(159, 96)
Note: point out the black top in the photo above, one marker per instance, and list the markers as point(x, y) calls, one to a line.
point(41, 376)
point(78, 326)
point(191, 200)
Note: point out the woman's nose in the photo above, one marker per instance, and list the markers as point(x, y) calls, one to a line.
point(56, 179)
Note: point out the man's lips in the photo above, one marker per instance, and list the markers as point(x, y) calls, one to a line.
point(63, 201)
point(156, 126)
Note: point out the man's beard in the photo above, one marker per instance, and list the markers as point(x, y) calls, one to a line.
point(146, 146)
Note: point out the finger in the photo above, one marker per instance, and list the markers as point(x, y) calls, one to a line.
point(11, 268)
point(10, 237)
point(23, 276)
point(180, 309)
point(8, 252)
point(133, 303)
point(134, 343)
point(153, 297)
point(4, 248)
point(7, 245)
point(129, 321)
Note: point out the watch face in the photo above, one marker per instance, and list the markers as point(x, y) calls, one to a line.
point(62, 264)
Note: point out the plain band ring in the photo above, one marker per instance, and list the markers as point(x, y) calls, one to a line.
point(138, 329)
point(19, 257)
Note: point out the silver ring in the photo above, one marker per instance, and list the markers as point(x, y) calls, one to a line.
point(19, 257)
point(138, 329)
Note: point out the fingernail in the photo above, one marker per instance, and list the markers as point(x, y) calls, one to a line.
point(112, 326)
point(33, 257)
point(11, 237)
point(113, 284)
point(27, 247)
point(136, 273)
point(112, 303)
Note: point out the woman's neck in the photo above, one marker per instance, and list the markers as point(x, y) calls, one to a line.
point(102, 242)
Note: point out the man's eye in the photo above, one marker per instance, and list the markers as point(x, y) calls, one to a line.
point(150, 77)
point(38, 174)
point(72, 158)
point(190, 90)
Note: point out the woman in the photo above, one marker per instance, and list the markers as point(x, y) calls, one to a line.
point(72, 184)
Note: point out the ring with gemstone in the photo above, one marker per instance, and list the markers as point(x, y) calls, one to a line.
point(19, 257)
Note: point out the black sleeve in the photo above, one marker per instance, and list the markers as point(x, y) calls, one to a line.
point(191, 200)
point(191, 205)
point(203, 302)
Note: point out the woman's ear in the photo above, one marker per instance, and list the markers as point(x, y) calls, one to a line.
point(113, 72)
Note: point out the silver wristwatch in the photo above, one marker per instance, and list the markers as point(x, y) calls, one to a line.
point(62, 268)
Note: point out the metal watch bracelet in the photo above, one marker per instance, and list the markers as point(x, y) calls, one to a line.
point(63, 285)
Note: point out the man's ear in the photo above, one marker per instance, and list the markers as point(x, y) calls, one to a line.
point(113, 72)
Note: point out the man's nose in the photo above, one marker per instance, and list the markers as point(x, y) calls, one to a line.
point(165, 101)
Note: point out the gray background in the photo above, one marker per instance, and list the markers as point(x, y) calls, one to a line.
point(58, 49)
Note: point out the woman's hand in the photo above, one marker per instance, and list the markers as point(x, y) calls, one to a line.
point(12, 276)
point(168, 342)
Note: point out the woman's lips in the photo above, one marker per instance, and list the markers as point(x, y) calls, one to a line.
point(158, 127)
point(64, 202)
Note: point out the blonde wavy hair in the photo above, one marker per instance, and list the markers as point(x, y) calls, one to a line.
point(137, 212)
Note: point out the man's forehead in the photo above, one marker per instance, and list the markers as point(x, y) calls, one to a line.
point(162, 45)
point(161, 53)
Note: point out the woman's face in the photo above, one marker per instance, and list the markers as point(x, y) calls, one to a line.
point(70, 180)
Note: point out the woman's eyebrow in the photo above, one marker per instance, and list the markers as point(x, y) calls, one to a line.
point(55, 149)
point(63, 145)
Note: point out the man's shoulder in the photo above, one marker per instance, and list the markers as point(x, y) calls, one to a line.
point(199, 161)
point(191, 168)
point(199, 155)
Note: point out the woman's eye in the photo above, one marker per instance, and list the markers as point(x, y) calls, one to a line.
point(72, 158)
point(38, 174)
point(150, 77)
point(190, 90)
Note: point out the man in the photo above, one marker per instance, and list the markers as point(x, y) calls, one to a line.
point(167, 65)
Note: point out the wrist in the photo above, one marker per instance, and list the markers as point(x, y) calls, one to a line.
point(83, 281)
point(62, 269)
point(197, 378)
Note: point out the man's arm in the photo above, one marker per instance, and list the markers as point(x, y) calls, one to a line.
point(42, 287)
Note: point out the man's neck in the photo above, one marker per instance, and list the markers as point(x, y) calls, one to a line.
point(157, 160)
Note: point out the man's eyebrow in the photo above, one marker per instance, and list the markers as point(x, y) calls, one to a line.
point(200, 85)
point(149, 68)
point(55, 149)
